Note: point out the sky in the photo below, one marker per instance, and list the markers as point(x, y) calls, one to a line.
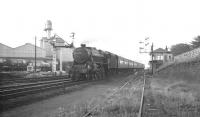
point(112, 25)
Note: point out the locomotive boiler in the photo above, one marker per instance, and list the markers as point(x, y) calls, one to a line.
point(89, 63)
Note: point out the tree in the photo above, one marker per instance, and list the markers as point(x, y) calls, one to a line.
point(196, 42)
point(180, 48)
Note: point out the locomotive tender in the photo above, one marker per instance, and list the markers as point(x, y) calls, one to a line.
point(90, 63)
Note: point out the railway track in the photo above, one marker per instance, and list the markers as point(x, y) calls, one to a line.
point(21, 90)
point(142, 98)
point(148, 107)
point(143, 104)
point(14, 96)
point(28, 80)
point(11, 92)
point(6, 87)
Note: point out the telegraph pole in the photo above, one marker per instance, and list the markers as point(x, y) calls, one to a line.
point(152, 58)
point(35, 53)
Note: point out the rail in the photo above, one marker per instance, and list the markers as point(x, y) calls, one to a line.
point(142, 98)
point(30, 84)
point(25, 80)
point(20, 90)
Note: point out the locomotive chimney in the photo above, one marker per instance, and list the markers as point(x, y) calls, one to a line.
point(83, 45)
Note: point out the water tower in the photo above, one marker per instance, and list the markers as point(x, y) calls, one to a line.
point(48, 28)
point(50, 50)
point(44, 42)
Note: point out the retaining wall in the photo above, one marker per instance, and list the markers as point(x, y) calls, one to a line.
point(186, 70)
point(188, 56)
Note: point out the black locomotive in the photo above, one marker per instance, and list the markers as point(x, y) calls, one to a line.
point(90, 63)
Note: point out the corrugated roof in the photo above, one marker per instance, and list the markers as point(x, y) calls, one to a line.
point(59, 40)
point(26, 50)
point(1, 44)
point(29, 44)
point(20, 46)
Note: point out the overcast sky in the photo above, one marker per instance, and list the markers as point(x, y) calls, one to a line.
point(113, 25)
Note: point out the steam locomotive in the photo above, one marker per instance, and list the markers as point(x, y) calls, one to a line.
point(91, 64)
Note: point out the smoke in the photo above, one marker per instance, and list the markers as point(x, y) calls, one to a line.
point(89, 42)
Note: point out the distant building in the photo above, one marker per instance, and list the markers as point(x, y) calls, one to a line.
point(18, 58)
point(25, 51)
point(160, 56)
point(44, 44)
point(25, 55)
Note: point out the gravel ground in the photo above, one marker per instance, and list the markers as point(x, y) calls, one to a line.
point(45, 108)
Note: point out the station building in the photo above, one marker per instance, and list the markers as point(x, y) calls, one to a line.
point(62, 52)
point(17, 59)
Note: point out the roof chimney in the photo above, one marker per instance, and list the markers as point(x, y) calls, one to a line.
point(166, 48)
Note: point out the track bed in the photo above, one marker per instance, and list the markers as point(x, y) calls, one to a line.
point(51, 105)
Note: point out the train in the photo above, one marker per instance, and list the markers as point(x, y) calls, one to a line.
point(91, 64)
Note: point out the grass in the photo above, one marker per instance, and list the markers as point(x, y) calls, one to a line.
point(124, 103)
point(176, 98)
point(173, 98)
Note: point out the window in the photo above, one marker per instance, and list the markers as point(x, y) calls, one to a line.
point(1, 60)
point(161, 57)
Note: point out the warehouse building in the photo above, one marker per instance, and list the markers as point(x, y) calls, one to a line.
point(17, 59)
point(25, 51)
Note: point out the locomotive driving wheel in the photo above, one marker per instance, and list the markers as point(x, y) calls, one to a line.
point(75, 77)
point(103, 73)
point(95, 76)
point(99, 75)
point(88, 76)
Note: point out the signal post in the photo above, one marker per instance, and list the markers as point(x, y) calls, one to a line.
point(57, 43)
point(146, 43)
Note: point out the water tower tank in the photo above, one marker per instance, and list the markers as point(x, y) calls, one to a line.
point(48, 25)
